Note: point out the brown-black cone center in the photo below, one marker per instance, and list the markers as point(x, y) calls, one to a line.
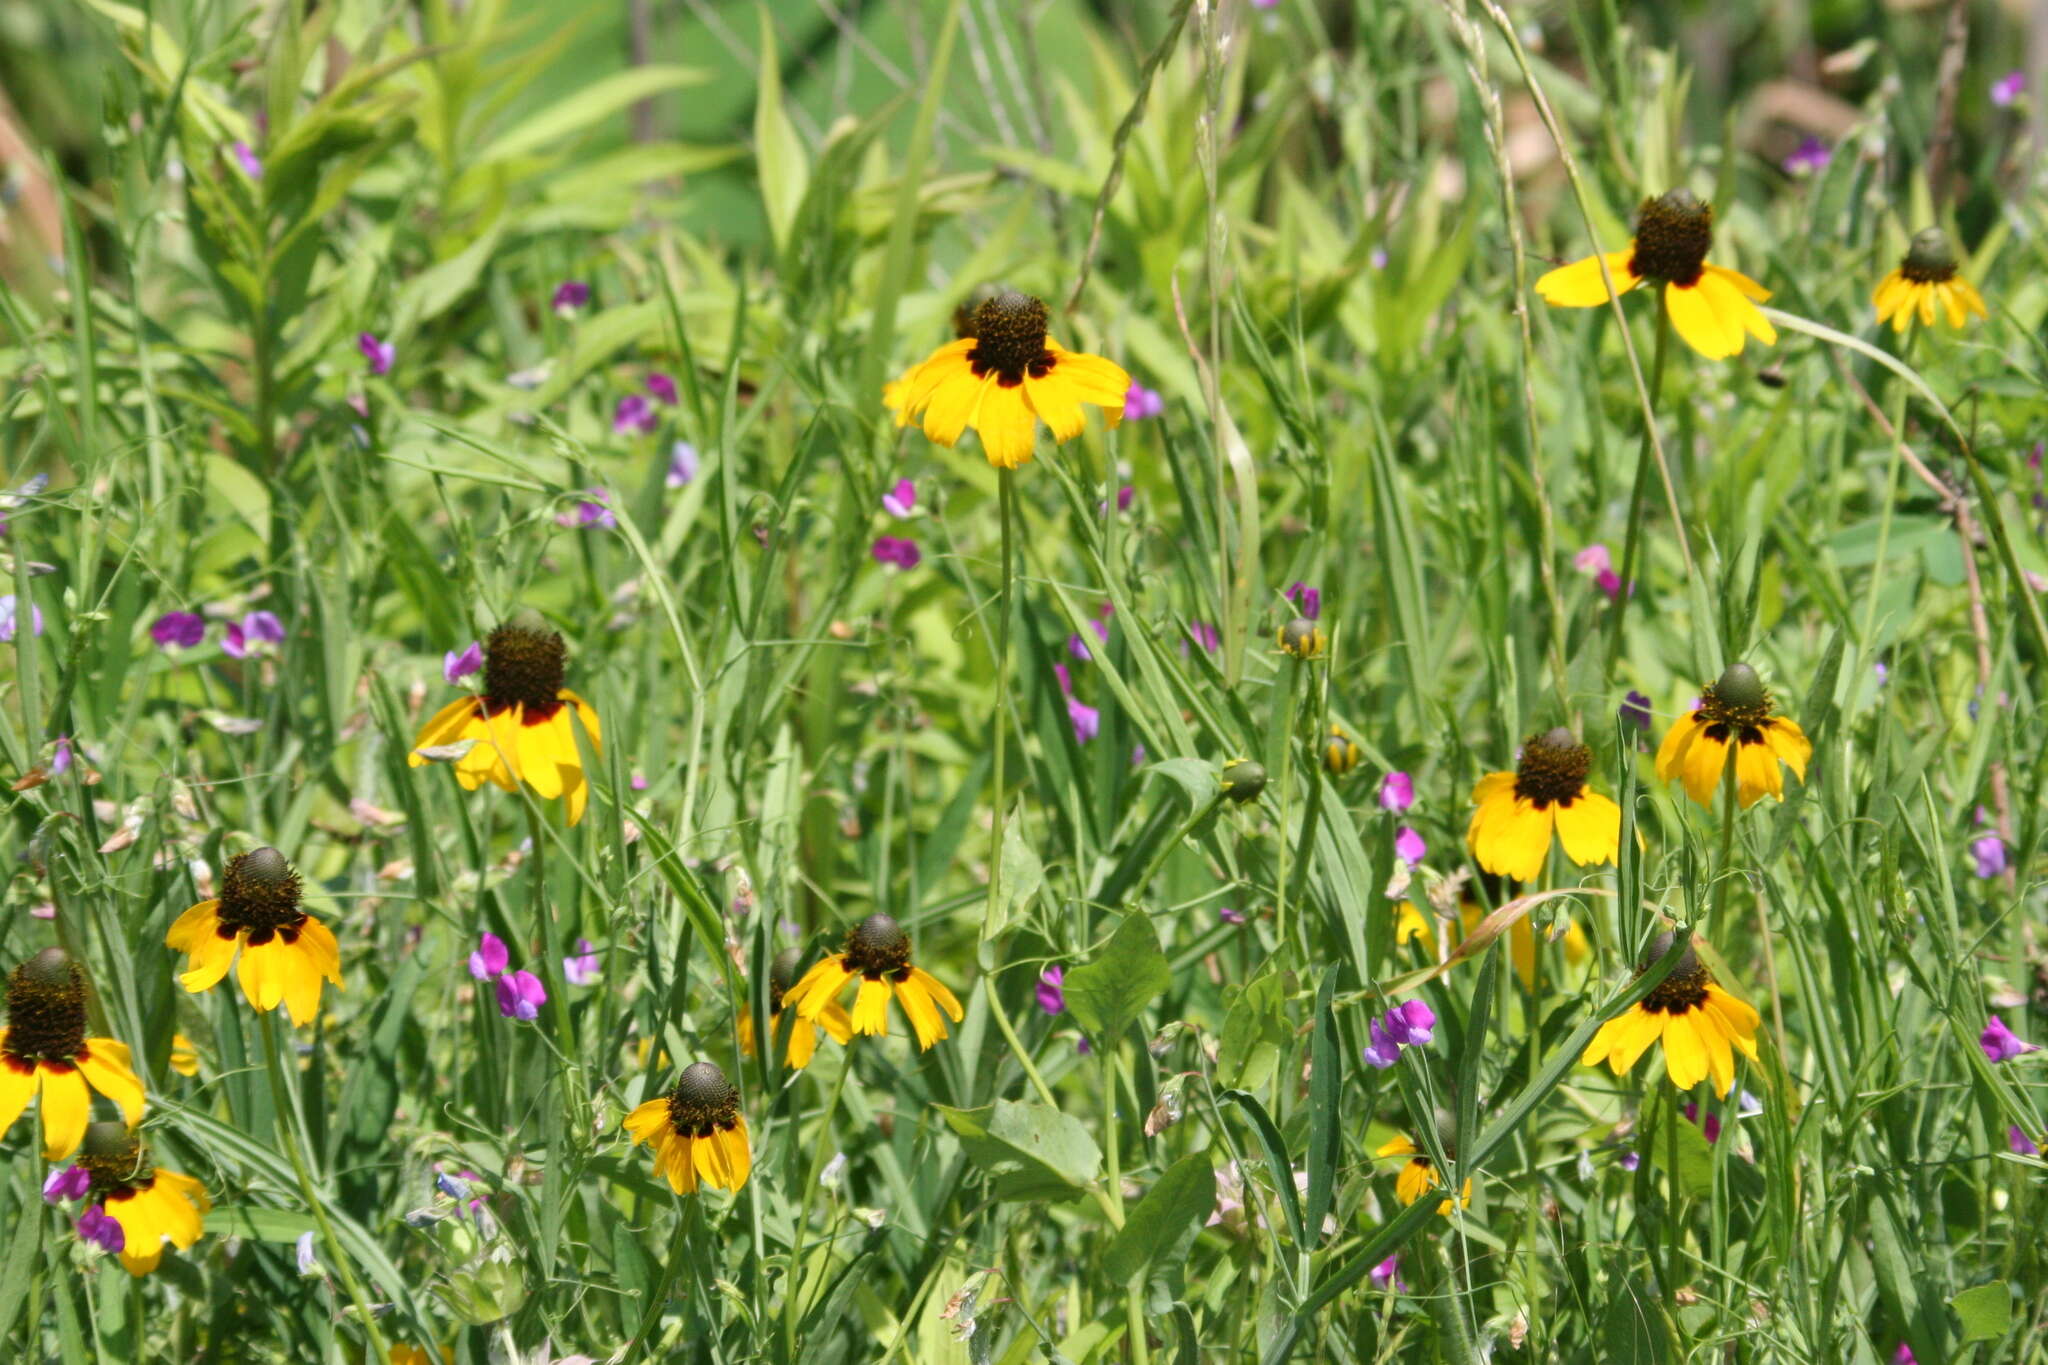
point(523, 667)
point(703, 1102)
point(1673, 232)
point(1735, 706)
point(1009, 332)
point(1930, 259)
point(1685, 988)
point(782, 974)
point(259, 895)
point(114, 1158)
point(877, 948)
point(46, 1009)
point(1553, 769)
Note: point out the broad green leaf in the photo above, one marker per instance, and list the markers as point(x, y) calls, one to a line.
point(1028, 1151)
point(431, 292)
point(1278, 1166)
point(1108, 994)
point(782, 162)
point(1256, 1033)
point(1986, 1311)
point(1195, 776)
point(1634, 1328)
point(241, 490)
point(1023, 875)
point(594, 102)
point(262, 1224)
point(1164, 1221)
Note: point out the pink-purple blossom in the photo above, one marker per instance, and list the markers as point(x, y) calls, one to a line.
point(633, 414)
point(246, 158)
point(582, 968)
point(1712, 1126)
point(2000, 1043)
point(10, 616)
point(1064, 678)
point(1397, 792)
point(1230, 916)
point(1052, 997)
point(1406, 1025)
point(594, 510)
point(67, 1182)
point(490, 958)
point(1141, 403)
point(1204, 634)
point(570, 295)
point(1631, 1159)
point(1308, 601)
point(1409, 846)
point(60, 758)
point(178, 629)
point(455, 667)
point(1087, 721)
point(682, 464)
point(663, 386)
point(1593, 559)
point(380, 354)
point(1989, 851)
point(95, 1225)
point(252, 634)
point(1387, 1272)
point(896, 550)
point(2021, 1144)
point(901, 500)
point(2007, 89)
point(1810, 157)
point(1635, 710)
point(520, 995)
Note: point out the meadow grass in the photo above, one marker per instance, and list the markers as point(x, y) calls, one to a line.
point(1161, 749)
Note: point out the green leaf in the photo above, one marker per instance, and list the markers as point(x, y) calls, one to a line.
point(782, 163)
point(1325, 1084)
point(598, 100)
point(1108, 994)
point(1161, 1225)
point(1196, 776)
point(1634, 1330)
point(241, 490)
point(260, 1223)
point(1986, 1311)
point(1023, 875)
point(1695, 1156)
point(1028, 1151)
point(434, 290)
point(1277, 1162)
point(1255, 1033)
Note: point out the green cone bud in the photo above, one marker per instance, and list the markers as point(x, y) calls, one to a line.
point(1739, 687)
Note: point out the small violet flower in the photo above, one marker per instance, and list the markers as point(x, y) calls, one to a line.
point(1204, 634)
point(1810, 157)
point(2000, 1044)
point(2007, 89)
point(682, 464)
point(1308, 601)
point(102, 1231)
point(1065, 679)
point(1141, 403)
point(10, 616)
point(594, 510)
point(455, 667)
point(1630, 1160)
point(1989, 852)
point(1904, 1355)
point(1230, 916)
point(251, 164)
point(302, 1253)
point(1124, 496)
point(1635, 710)
point(490, 958)
point(68, 1182)
point(380, 354)
point(2021, 1144)
point(633, 413)
point(1397, 792)
point(520, 995)
point(252, 634)
point(583, 968)
point(1387, 1272)
point(1593, 559)
point(1409, 847)
point(60, 760)
point(895, 550)
point(178, 629)
point(1086, 719)
point(1382, 1051)
point(663, 386)
point(1051, 997)
point(1410, 1023)
point(570, 295)
point(901, 500)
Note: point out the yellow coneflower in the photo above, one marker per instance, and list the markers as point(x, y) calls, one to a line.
point(1302, 638)
point(1711, 306)
point(1419, 1175)
point(44, 1049)
point(878, 952)
point(184, 1056)
point(1927, 277)
point(1510, 830)
point(698, 1131)
point(1003, 379)
point(1410, 924)
point(803, 1033)
point(520, 723)
point(1700, 1024)
point(285, 952)
point(1733, 711)
point(152, 1205)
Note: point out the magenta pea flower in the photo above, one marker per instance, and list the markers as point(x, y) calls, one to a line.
point(1593, 559)
point(634, 414)
point(1410, 1023)
point(1066, 679)
point(682, 464)
point(1810, 157)
point(1712, 1127)
point(1381, 1051)
point(1052, 998)
point(663, 386)
point(520, 995)
point(1087, 721)
point(104, 1232)
point(1989, 852)
point(178, 629)
point(1635, 710)
point(1308, 601)
point(246, 158)
point(897, 551)
point(455, 667)
point(901, 501)
point(252, 634)
point(1397, 792)
point(1204, 634)
point(380, 354)
point(1124, 496)
point(1387, 1272)
point(2007, 89)
point(1631, 1159)
point(2000, 1044)
point(490, 958)
point(1141, 403)
point(1409, 847)
point(1904, 1355)
point(1230, 916)
point(594, 510)
point(67, 1182)
point(570, 295)
point(60, 758)
point(2021, 1144)
point(10, 616)
point(583, 967)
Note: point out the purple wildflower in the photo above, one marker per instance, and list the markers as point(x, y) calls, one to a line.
point(633, 413)
point(1630, 1160)
point(1382, 1051)
point(1884, 674)
point(1397, 792)
point(1078, 647)
point(1051, 997)
point(895, 550)
point(900, 501)
point(582, 968)
point(1810, 157)
point(60, 760)
point(2000, 1044)
point(1066, 679)
point(570, 295)
point(1137, 755)
point(1904, 1355)
point(178, 629)
point(1378, 258)
point(1635, 710)
point(1087, 720)
point(1712, 1127)
point(252, 633)
point(663, 386)
point(68, 1182)
point(10, 615)
point(1124, 496)
point(1410, 1023)
point(2007, 89)
point(1409, 846)
point(455, 667)
point(1230, 916)
point(682, 464)
point(1593, 559)
point(1388, 1272)
point(95, 1226)
point(1204, 634)
point(1141, 403)
point(380, 354)
point(594, 510)
point(1609, 582)
point(490, 958)
point(302, 1254)
point(520, 995)
point(1989, 852)
point(246, 158)
point(2020, 1143)
point(1308, 601)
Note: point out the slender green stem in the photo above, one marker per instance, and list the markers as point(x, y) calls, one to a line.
point(792, 1302)
point(1006, 499)
point(1166, 847)
point(1112, 1143)
point(284, 1107)
point(1891, 494)
point(1644, 455)
point(1725, 863)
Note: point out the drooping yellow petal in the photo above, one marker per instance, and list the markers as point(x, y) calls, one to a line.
point(1790, 743)
point(208, 961)
point(1417, 1178)
point(954, 405)
point(1704, 760)
point(1699, 317)
point(937, 990)
point(261, 972)
point(816, 988)
point(1411, 925)
point(1741, 283)
point(109, 1069)
point(1738, 1019)
point(1737, 295)
point(1007, 426)
point(587, 714)
point(1589, 827)
point(1057, 404)
point(540, 755)
point(923, 1015)
point(1402, 1145)
point(924, 380)
point(445, 726)
point(1685, 1056)
point(674, 1160)
point(67, 1108)
point(1966, 293)
point(739, 1158)
point(298, 971)
point(1677, 739)
point(316, 940)
point(141, 1217)
point(1720, 1057)
point(1515, 840)
point(1756, 773)
point(648, 1120)
point(707, 1156)
point(1579, 285)
point(871, 1008)
point(834, 1021)
point(18, 1084)
point(803, 1042)
point(1093, 379)
point(194, 925)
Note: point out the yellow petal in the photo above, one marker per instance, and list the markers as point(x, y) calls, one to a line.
point(195, 925)
point(208, 961)
point(922, 381)
point(18, 1085)
point(1579, 285)
point(803, 1041)
point(587, 714)
point(540, 754)
point(316, 940)
point(108, 1068)
point(1756, 773)
point(816, 988)
point(1516, 840)
point(1703, 763)
point(1093, 380)
point(924, 1016)
point(1402, 1145)
point(67, 1108)
point(1738, 1019)
point(1685, 1057)
point(871, 1008)
point(648, 1120)
point(1057, 404)
point(1971, 299)
point(1701, 320)
point(1589, 827)
point(937, 990)
point(260, 972)
point(954, 405)
point(443, 727)
point(834, 1021)
point(1739, 282)
point(1790, 743)
point(298, 971)
point(1676, 740)
point(1007, 426)
point(739, 1158)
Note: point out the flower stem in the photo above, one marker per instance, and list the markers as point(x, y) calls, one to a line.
point(344, 1265)
point(1633, 542)
point(1006, 498)
point(1723, 864)
point(793, 1299)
